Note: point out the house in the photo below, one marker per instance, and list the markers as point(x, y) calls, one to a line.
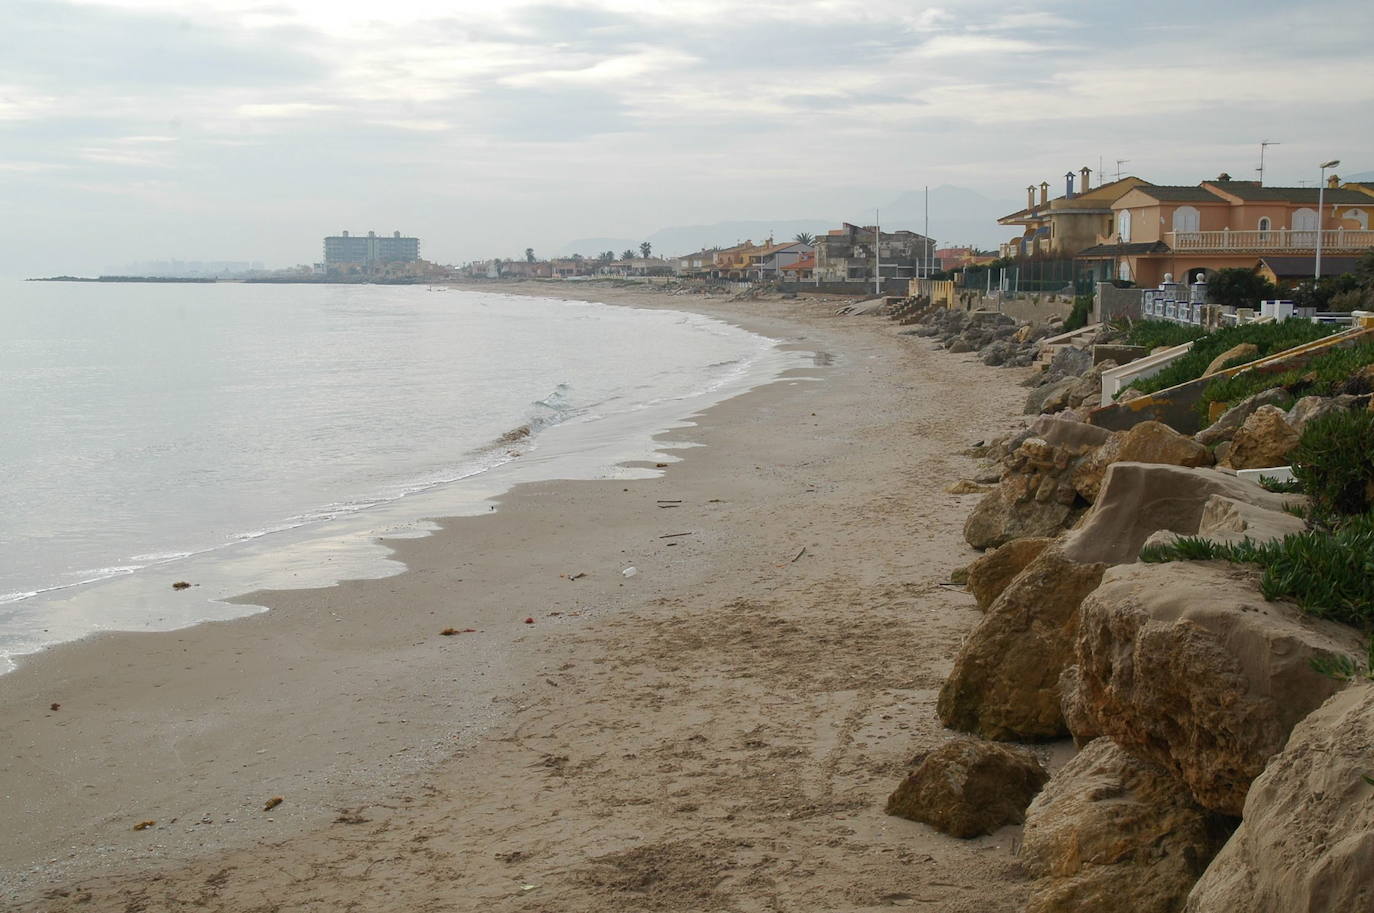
point(1290, 270)
point(948, 258)
point(847, 254)
point(696, 265)
point(765, 263)
point(803, 268)
point(1224, 223)
point(568, 267)
point(733, 262)
point(1063, 226)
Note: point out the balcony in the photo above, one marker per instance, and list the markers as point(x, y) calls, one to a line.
point(1272, 241)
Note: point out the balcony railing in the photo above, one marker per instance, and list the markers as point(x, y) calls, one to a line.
point(1285, 239)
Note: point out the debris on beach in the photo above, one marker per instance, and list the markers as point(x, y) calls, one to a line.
point(449, 632)
point(272, 803)
point(144, 825)
point(529, 621)
point(55, 707)
point(181, 585)
point(629, 572)
point(578, 576)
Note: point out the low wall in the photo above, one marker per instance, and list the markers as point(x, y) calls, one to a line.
point(939, 291)
point(897, 287)
point(1112, 303)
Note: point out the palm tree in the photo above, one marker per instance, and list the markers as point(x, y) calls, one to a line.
point(804, 237)
point(607, 255)
point(529, 255)
point(645, 248)
point(627, 254)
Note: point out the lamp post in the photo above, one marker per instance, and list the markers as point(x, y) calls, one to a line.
point(1321, 215)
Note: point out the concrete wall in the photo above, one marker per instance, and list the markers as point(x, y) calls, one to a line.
point(1112, 303)
point(896, 287)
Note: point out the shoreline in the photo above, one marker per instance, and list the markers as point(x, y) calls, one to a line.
point(319, 715)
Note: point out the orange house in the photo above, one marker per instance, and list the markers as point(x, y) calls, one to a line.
point(1218, 224)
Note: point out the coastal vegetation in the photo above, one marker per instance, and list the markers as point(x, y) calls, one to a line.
point(1267, 338)
point(1328, 374)
point(1155, 334)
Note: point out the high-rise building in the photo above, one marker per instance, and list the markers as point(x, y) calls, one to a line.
point(369, 249)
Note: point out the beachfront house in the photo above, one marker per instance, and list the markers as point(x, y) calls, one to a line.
point(696, 265)
point(1187, 231)
point(1065, 225)
point(765, 264)
point(846, 254)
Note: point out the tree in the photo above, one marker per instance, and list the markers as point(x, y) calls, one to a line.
point(607, 255)
point(645, 248)
point(1239, 287)
point(1330, 293)
point(627, 254)
point(529, 255)
point(804, 237)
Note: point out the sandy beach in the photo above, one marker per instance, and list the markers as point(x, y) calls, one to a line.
point(718, 731)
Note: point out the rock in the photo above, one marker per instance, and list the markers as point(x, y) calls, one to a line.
point(1138, 499)
point(959, 346)
point(1230, 520)
point(1224, 428)
point(1050, 398)
point(990, 574)
point(1089, 386)
point(1264, 440)
point(1024, 333)
point(1071, 360)
point(1130, 393)
point(1063, 431)
point(1312, 407)
point(1236, 355)
point(1112, 832)
point(964, 487)
point(1081, 726)
point(1220, 452)
point(1307, 839)
point(1005, 681)
point(1185, 665)
point(1147, 442)
point(968, 788)
point(1033, 498)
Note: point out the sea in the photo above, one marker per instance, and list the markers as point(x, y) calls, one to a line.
point(247, 436)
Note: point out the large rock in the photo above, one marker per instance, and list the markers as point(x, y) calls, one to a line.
point(1138, 499)
point(1005, 681)
point(1052, 397)
point(1264, 440)
point(990, 574)
point(1186, 665)
point(1314, 407)
point(1227, 519)
point(1307, 841)
point(1147, 442)
point(968, 788)
point(1236, 355)
point(1081, 726)
point(1225, 428)
point(1112, 832)
point(997, 520)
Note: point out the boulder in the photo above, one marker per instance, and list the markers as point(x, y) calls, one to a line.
point(964, 487)
point(1138, 499)
point(997, 520)
point(960, 346)
point(990, 574)
point(1187, 666)
point(1227, 519)
point(1307, 840)
point(1312, 407)
point(967, 788)
point(1081, 726)
point(1264, 440)
point(1225, 428)
point(1147, 442)
point(1050, 398)
point(1112, 832)
point(1070, 434)
point(1005, 681)
point(1236, 355)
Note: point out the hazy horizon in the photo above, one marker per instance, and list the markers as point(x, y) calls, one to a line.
point(140, 130)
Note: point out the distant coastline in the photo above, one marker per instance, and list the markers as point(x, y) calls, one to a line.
point(258, 281)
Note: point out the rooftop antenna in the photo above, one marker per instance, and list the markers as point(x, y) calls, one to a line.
point(1119, 163)
point(1260, 169)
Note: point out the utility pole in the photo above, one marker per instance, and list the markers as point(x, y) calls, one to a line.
point(877, 254)
point(926, 252)
point(1260, 169)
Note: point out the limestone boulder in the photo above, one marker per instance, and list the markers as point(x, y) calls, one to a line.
point(967, 788)
point(1147, 442)
point(1187, 666)
point(1236, 355)
point(997, 520)
point(1307, 839)
point(1264, 440)
point(1113, 832)
point(1226, 519)
point(1067, 433)
point(1225, 428)
point(1313, 407)
point(990, 574)
point(1052, 397)
point(1139, 499)
point(1081, 725)
point(1005, 681)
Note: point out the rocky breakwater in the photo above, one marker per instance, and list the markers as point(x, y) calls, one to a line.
point(996, 338)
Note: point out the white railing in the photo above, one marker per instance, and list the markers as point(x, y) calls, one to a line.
point(1345, 239)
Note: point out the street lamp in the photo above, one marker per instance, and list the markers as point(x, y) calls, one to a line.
point(1321, 214)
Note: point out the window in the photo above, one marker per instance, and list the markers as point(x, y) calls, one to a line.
point(1187, 218)
point(1123, 224)
point(1264, 226)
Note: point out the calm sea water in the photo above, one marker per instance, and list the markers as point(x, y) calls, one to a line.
point(253, 435)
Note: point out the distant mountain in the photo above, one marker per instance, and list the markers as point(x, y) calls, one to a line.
point(1361, 178)
point(958, 216)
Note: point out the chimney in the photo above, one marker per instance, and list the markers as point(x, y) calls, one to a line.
point(1068, 184)
point(1084, 172)
point(345, 234)
point(1333, 182)
point(1044, 192)
point(1030, 197)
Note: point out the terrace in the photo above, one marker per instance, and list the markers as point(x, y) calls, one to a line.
point(1269, 240)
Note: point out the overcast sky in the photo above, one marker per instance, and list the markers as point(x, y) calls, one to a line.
point(152, 129)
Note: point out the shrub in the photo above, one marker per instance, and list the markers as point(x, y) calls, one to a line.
point(1078, 317)
point(1239, 287)
point(1268, 338)
point(1325, 375)
point(1153, 334)
point(1328, 574)
point(1334, 463)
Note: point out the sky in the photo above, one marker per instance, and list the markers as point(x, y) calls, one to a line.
point(241, 130)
